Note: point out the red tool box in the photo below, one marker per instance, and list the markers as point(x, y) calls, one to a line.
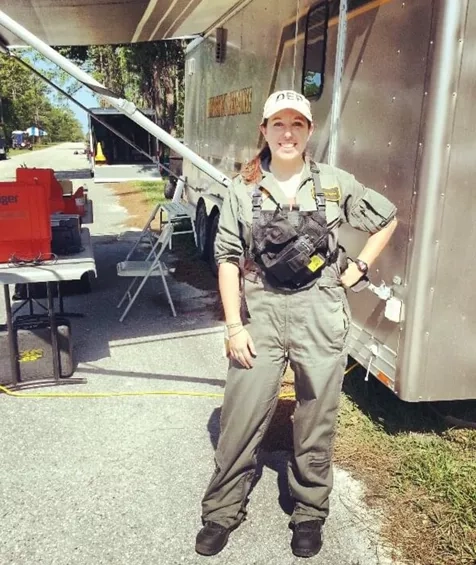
point(25, 231)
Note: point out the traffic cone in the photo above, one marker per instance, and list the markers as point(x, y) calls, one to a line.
point(99, 158)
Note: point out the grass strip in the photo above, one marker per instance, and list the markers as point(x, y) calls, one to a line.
point(418, 471)
point(13, 152)
point(153, 191)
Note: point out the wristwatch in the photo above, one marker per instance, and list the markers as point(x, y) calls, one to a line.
point(362, 266)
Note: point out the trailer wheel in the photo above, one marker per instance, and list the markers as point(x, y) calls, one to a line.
point(211, 245)
point(201, 226)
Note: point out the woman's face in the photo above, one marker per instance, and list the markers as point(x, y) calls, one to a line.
point(287, 133)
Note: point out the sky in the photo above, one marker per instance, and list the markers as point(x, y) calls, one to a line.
point(84, 95)
point(87, 99)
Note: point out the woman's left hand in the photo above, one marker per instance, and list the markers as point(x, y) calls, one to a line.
point(351, 275)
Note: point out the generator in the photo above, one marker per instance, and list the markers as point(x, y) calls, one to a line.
point(33, 336)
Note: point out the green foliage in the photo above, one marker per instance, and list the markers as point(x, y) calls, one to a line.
point(150, 74)
point(24, 102)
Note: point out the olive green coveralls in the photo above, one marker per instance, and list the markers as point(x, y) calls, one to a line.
point(309, 328)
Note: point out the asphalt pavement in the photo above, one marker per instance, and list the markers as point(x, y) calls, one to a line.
point(118, 480)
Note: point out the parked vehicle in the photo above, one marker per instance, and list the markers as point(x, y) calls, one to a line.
point(3, 149)
point(21, 140)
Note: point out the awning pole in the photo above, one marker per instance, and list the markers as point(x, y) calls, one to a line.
point(127, 108)
point(337, 90)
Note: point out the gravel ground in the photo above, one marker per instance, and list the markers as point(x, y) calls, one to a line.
point(119, 480)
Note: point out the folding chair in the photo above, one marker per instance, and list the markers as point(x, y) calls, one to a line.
point(151, 267)
point(178, 211)
point(147, 235)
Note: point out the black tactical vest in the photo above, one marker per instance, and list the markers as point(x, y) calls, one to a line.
point(291, 247)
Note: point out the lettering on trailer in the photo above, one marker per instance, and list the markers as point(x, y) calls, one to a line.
point(231, 103)
point(8, 199)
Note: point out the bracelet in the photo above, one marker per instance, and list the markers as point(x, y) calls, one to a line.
point(236, 333)
point(236, 325)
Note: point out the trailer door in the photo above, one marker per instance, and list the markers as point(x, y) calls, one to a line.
point(114, 159)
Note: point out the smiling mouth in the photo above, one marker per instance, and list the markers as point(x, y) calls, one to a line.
point(287, 145)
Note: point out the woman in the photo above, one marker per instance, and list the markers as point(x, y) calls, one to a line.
point(278, 238)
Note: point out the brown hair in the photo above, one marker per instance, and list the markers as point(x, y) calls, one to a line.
point(251, 170)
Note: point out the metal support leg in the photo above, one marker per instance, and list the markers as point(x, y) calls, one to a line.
point(30, 301)
point(54, 333)
point(12, 342)
point(60, 299)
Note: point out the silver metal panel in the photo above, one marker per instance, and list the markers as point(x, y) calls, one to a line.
point(382, 96)
point(85, 22)
point(448, 355)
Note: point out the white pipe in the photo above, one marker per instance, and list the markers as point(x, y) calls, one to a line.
point(337, 90)
point(127, 108)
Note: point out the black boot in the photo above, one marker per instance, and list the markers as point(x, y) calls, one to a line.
point(307, 538)
point(212, 538)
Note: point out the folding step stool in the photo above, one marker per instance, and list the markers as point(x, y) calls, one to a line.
point(178, 211)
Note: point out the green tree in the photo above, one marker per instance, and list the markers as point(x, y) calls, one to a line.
point(150, 74)
point(25, 101)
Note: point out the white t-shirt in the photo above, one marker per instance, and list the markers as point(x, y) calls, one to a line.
point(290, 186)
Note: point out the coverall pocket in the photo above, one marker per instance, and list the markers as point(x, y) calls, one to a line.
point(252, 293)
point(338, 320)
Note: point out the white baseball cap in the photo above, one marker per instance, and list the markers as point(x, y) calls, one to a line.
point(287, 100)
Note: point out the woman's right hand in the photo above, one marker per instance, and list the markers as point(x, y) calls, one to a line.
point(241, 348)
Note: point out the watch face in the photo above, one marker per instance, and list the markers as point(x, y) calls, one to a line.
point(362, 266)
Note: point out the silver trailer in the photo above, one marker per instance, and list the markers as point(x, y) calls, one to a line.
point(400, 118)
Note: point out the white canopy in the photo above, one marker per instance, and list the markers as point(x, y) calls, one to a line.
point(88, 22)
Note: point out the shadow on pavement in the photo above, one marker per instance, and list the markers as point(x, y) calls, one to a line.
point(97, 332)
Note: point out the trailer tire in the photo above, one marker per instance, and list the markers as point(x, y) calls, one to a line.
point(211, 244)
point(202, 229)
